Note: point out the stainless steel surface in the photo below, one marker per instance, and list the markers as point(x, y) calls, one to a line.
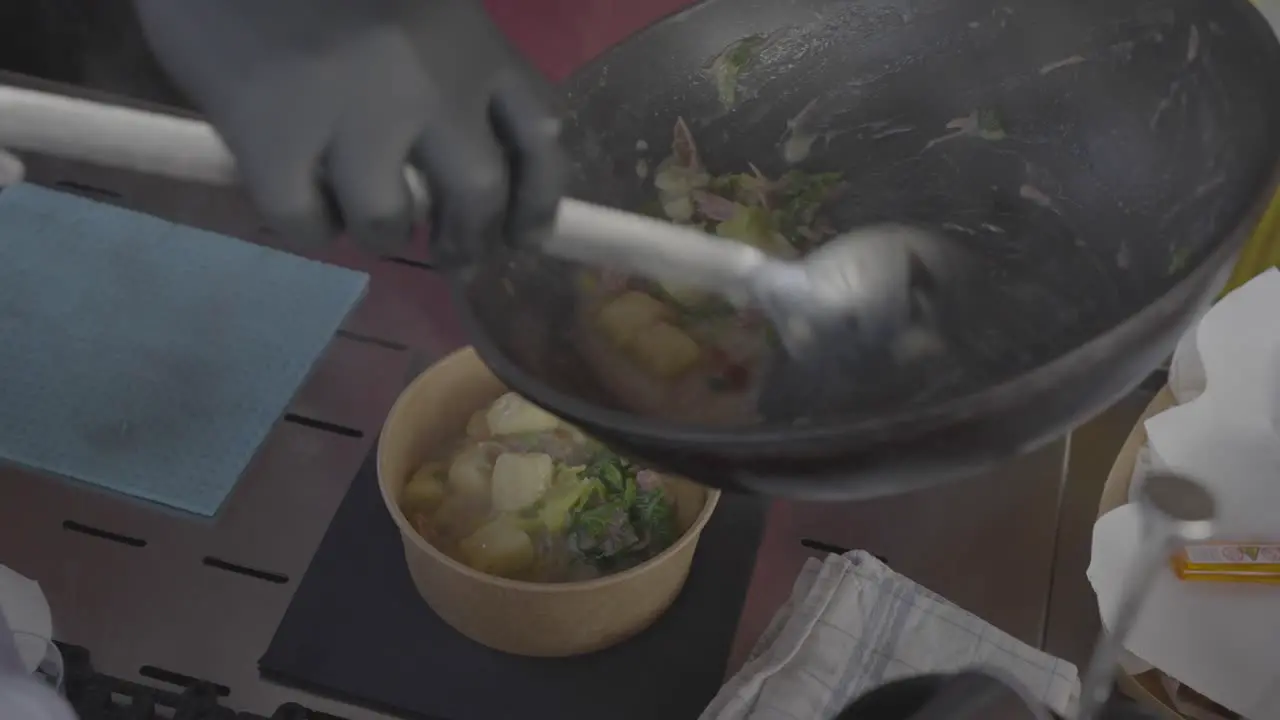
point(987, 544)
point(163, 604)
point(1175, 510)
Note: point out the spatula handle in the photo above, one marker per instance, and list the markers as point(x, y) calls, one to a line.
point(655, 249)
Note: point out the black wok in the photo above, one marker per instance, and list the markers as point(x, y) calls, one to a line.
point(1139, 144)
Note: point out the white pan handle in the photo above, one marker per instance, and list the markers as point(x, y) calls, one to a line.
point(147, 142)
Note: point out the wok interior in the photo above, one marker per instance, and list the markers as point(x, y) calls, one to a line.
point(1130, 139)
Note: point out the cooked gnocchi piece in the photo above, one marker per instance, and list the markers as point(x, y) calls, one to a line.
point(628, 314)
point(520, 480)
point(499, 547)
point(513, 415)
point(664, 350)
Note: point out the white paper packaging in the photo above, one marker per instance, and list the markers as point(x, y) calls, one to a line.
point(1222, 639)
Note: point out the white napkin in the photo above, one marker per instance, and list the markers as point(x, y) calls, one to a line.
point(26, 611)
point(1217, 638)
point(853, 624)
point(1186, 373)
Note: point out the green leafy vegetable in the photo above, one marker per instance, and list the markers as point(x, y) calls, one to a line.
point(800, 197)
point(653, 514)
point(614, 523)
point(1178, 260)
point(728, 66)
point(745, 188)
point(570, 490)
point(751, 225)
point(808, 187)
point(653, 208)
point(989, 125)
point(808, 190)
point(758, 227)
point(711, 309)
point(609, 469)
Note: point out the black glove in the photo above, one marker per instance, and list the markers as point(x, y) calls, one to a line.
point(324, 101)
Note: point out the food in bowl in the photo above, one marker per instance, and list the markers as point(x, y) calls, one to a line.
point(679, 352)
point(541, 619)
point(526, 496)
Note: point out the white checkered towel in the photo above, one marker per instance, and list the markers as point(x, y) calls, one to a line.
point(853, 624)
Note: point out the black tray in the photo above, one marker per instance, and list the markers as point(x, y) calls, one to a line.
point(358, 631)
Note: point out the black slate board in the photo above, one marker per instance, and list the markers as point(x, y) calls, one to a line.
point(358, 631)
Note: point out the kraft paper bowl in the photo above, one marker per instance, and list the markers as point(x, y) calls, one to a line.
point(524, 618)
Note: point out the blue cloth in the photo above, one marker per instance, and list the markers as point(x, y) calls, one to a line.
point(147, 357)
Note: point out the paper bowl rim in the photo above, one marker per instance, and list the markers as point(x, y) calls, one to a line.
point(468, 356)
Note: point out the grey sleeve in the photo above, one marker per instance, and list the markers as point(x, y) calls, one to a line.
point(10, 663)
point(23, 697)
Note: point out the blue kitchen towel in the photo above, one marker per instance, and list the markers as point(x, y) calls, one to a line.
point(147, 357)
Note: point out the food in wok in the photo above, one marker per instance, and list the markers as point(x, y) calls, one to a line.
point(680, 352)
point(1098, 164)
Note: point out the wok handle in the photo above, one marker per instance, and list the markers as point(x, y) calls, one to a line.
point(143, 141)
point(188, 149)
point(109, 135)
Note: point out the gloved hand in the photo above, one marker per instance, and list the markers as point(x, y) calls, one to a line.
point(324, 101)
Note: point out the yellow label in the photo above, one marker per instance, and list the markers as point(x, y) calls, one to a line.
point(1232, 554)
